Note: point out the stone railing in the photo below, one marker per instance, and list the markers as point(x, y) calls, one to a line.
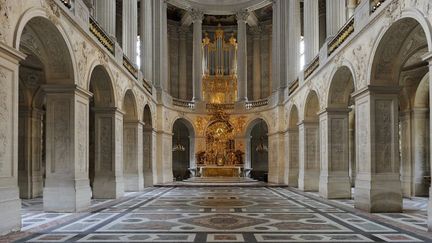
point(184, 103)
point(341, 36)
point(147, 86)
point(256, 103)
point(293, 86)
point(67, 3)
point(312, 66)
point(130, 67)
point(375, 4)
point(213, 106)
point(101, 35)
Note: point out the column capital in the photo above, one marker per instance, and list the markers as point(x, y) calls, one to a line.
point(242, 15)
point(183, 30)
point(197, 15)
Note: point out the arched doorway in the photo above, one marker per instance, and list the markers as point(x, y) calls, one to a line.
point(182, 149)
point(52, 111)
point(148, 148)
point(103, 175)
point(334, 132)
point(132, 140)
point(293, 147)
point(258, 150)
point(309, 150)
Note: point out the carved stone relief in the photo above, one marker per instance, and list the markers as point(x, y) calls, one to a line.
point(383, 135)
point(5, 122)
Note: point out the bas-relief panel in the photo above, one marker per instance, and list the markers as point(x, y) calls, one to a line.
point(324, 160)
point(105, 143)
point(82, 130)
point(362, 133)
point(294, 150)
point(60, 114)
point(119, 142)
point(312, 149)
point(383, 135)
point(6, 128)
point(129, 144)
point(338, 144)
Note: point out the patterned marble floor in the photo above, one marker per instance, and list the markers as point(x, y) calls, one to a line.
point(216, 214)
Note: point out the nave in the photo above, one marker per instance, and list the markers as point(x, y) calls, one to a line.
point(222, 214)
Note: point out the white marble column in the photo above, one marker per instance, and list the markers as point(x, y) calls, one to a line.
point(197, 69)
point(146, 37)
point(378, 184)
point(293, 156)
point(108, 182)
point(311, 29)
point(335, 16)
point(285, 43)
point(182, 62)
point(67, 185)
point(132, 155)
point(30, 167)
point(421, 153)
point(309, 165)
point(10, 204)
point(334, 179)
point(130, 29)
point(160, 45)
point(105, 13)
point(256, 32)
point(242, 55)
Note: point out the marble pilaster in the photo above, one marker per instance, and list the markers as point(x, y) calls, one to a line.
point(256, 32)
point(276, 159)
point(67, 186)
point(293, 156)
point(420, 149)
point(132, 156)
point(108, 182)
point(378, 184)
point(334, 178)
point(309, 167)
point(160, 45)
point(30, 169)
point(148, 154)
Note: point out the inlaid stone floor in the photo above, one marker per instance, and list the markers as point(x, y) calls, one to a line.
point(217, 214)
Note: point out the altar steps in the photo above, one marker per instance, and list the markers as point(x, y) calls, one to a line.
point(220, 181)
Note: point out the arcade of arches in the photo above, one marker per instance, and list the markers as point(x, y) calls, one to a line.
point(191, 121)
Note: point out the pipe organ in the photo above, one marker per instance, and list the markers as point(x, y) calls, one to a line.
point(219, 68)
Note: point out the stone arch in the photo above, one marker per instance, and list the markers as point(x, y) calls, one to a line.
point(37, 34)
point(101, 85)
point(130, 106)
point(399, 45)
point(257, 135)
point(311, 107)
point(183, 134)
point(340, 89)
point(148, 147)
point(421, 99)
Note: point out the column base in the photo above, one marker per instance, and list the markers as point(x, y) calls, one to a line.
point(73, 197)
point(30, 187)
point(335, 187)
point(379, 193)
point(10, 210)
point(420, 189)
point(406, 186)
point(148, 180)
point(107, 187)
point(309, 180)
point(133, 183)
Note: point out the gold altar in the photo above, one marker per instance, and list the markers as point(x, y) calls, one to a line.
point(220, 171)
